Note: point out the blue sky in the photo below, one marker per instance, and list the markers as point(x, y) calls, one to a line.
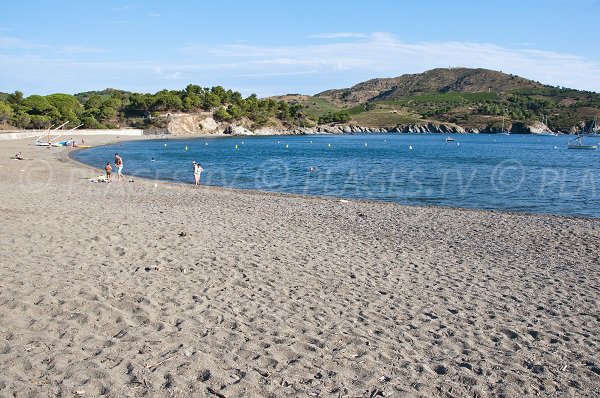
point(279, 47)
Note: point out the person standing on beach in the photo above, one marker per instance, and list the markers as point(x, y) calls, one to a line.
point(197, 172)
point(119, 166)
point(196, 176)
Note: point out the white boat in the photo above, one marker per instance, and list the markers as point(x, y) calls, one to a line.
point(502, 132)
point(577, 143)
point(449, 139)
point(547, 132)
point(592, 132)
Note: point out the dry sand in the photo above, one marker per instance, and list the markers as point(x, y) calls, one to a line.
point(127, 290)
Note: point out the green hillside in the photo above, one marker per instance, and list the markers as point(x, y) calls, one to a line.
point(475, 99)
point(471, 98)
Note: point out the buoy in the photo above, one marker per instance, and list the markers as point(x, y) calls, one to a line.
point(186, 148)
point(555, 147)
point(206, 143)
point(458, 144)
point(384, 140)
point(286, 146)
point(278, 142)
point(329, 145)
point(236, 147)
point(311, 141)
point(410, 147)
point(242, 142)
point(165, 144)
point(365, 144)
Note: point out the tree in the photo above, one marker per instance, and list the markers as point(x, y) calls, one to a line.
point(191, 102)
point(335, 117)
point(89, 122)
point(6, 112)
point(68, 107)
point(221, 114)
point(40, 121)
point(95, 101)
point(167, 101)
point(235, 111)
point(20, 119)
point(15, 98)
point(37, 105)
point(211, 101)
point(192, 89)
point(107, 113)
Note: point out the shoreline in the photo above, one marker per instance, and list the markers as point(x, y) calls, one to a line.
point(127, 289)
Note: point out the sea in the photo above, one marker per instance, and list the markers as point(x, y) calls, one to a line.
point(522, 173)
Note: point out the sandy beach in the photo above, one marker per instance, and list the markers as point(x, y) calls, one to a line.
point(134, 289)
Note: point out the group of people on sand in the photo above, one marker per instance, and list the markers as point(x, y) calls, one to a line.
point(118, 167)
point(18, 156)
point(72, 143)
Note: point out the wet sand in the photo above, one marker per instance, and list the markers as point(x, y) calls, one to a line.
point(131, 289)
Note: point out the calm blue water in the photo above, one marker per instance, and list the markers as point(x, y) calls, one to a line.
point(517, 172)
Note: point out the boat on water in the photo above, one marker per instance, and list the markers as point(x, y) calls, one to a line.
point(592, 132)
point(577, 143)
point(546, 130)
point(449, 139)
point(502, 131)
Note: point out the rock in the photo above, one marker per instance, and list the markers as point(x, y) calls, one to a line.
point(237, 130)
point(208, 125)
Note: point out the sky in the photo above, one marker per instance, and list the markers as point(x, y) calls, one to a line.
point(281, 47)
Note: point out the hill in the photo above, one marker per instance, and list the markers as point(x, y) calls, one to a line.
point(475, 99)
point(442, 80)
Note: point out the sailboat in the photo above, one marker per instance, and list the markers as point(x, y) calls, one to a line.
point(592, 132)
point(51, 142)
point(577, 143)
point(39, 141)
point(547, 132)
point(502, 132)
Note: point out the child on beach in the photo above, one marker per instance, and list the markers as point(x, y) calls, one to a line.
point(108, 172)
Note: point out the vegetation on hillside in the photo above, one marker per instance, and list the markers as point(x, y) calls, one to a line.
point(471, 98)
point(114, 108)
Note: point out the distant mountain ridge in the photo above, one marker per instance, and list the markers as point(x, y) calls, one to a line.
point(440, 80)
